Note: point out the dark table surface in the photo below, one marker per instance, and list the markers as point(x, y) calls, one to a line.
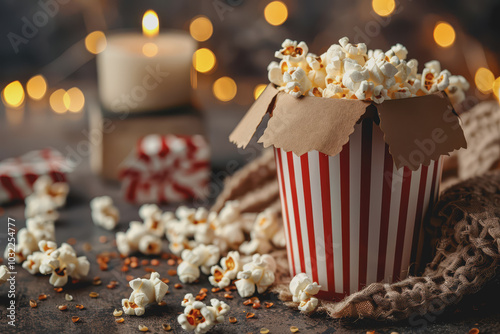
point(481, 310)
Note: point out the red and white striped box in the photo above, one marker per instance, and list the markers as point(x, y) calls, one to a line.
point(17, 175)
point(354, 218)
point(166, 169)
point(357, 180)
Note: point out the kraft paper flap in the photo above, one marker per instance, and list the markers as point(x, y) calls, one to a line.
point(246, 128)
point(420, 129)
point(312, 123)
point(417, 129)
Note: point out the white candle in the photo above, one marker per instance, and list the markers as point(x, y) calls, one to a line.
point(146, 72)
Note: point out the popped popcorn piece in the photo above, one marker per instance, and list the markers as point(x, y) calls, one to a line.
point(259, 272)
point(433, 79)
point(41, 206)
point(201, 256)
point(199, 317)
point(5, 274)
point(153, 219)
point(222, 276)
point(456, 89)
point(150, 245)
point(292, 51)
point(380, 94)
point(146, 291)
point(57, 191)
point(104, 213)
point(400, 51)
point(303, 290)
point(60, 263)
point(138, 238)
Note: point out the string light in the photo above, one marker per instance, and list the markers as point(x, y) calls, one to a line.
point(95, 42)
point(225, 89)
point(36, 87)
point(484, 80)
point(150, 24)
point(258, 90)
point(201, 28)
point(276, 13)
point(444, 34)
point(74, 100)
point(204, 60)
point(57, 101)
point(383, 7)
point(13, 94)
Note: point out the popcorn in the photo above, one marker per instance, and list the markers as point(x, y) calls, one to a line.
point(303, 290)
point(36, 230)
point(104, 213)
point(41, 206)
point(222, 276)
point(60, 262)
point(57, 191)
point(153, 219)
point(139, 237)
point(263, 231)
point(292, 51)
point(4, 274)
point(350, 71)
point(150, 245)
point(201, 256)
point(146, 291)
point(200, 318)
point(259, 272)
point(456, 88)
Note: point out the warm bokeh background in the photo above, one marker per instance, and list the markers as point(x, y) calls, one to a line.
point(237, 39)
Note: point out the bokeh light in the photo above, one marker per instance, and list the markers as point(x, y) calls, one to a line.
point(201, 28)
point(95, 42)
point(484, 80)
point(496, 87)
point(383, 7)
point(150, 49)
point(74, 100)
point(203, 60)
point(150, 24)
point(13, 94)
point(36, 87)
point(444, 34)
point(276, 13)
point(258, 90)
point(57, 102)
point(225, 89)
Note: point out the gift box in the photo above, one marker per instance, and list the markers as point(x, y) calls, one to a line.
point(357, 180)
point(166, 169)
point(17, 175)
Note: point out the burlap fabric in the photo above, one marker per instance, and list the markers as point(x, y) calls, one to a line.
point(466, 230)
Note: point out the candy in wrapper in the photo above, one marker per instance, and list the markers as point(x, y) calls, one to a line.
point(17, 175)
point(166, 169)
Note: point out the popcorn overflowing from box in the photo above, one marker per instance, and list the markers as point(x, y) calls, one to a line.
point(358, 135)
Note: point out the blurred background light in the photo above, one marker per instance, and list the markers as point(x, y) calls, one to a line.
point(496, 87)
point(383, 7)
point(150, 24)
point(258, 90)
point(201, 28)
point(150, 49)
point(484, 80)
point(95, 42)
point(57, 102)
point(13, 94)
point(204, 60)
point(276, 13)
point(444, 34)
point(224, 89)
point(74, 100)
point(36, 87)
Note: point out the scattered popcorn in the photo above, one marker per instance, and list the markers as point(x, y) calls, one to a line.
point(146, 291)
point(41, 206)
point(259, 272)
point(350, 71)
point(36, 230)
point(264, 231)
point(222, 276)
point(137, 238)
point(57, 191)
point(201, 256)
point(153, 219)
point(60, 262)
point(104, 213)
point(200, 318)
point(303, 290)
point(5, 274)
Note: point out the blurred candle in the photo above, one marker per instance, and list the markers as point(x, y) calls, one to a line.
point(145, 72)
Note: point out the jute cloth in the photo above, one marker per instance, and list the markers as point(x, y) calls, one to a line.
point(466, 236)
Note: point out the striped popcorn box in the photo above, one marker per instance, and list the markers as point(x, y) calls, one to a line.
point(166, 169)
point(17, 175)
point(354, 218)
point(357, 180)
